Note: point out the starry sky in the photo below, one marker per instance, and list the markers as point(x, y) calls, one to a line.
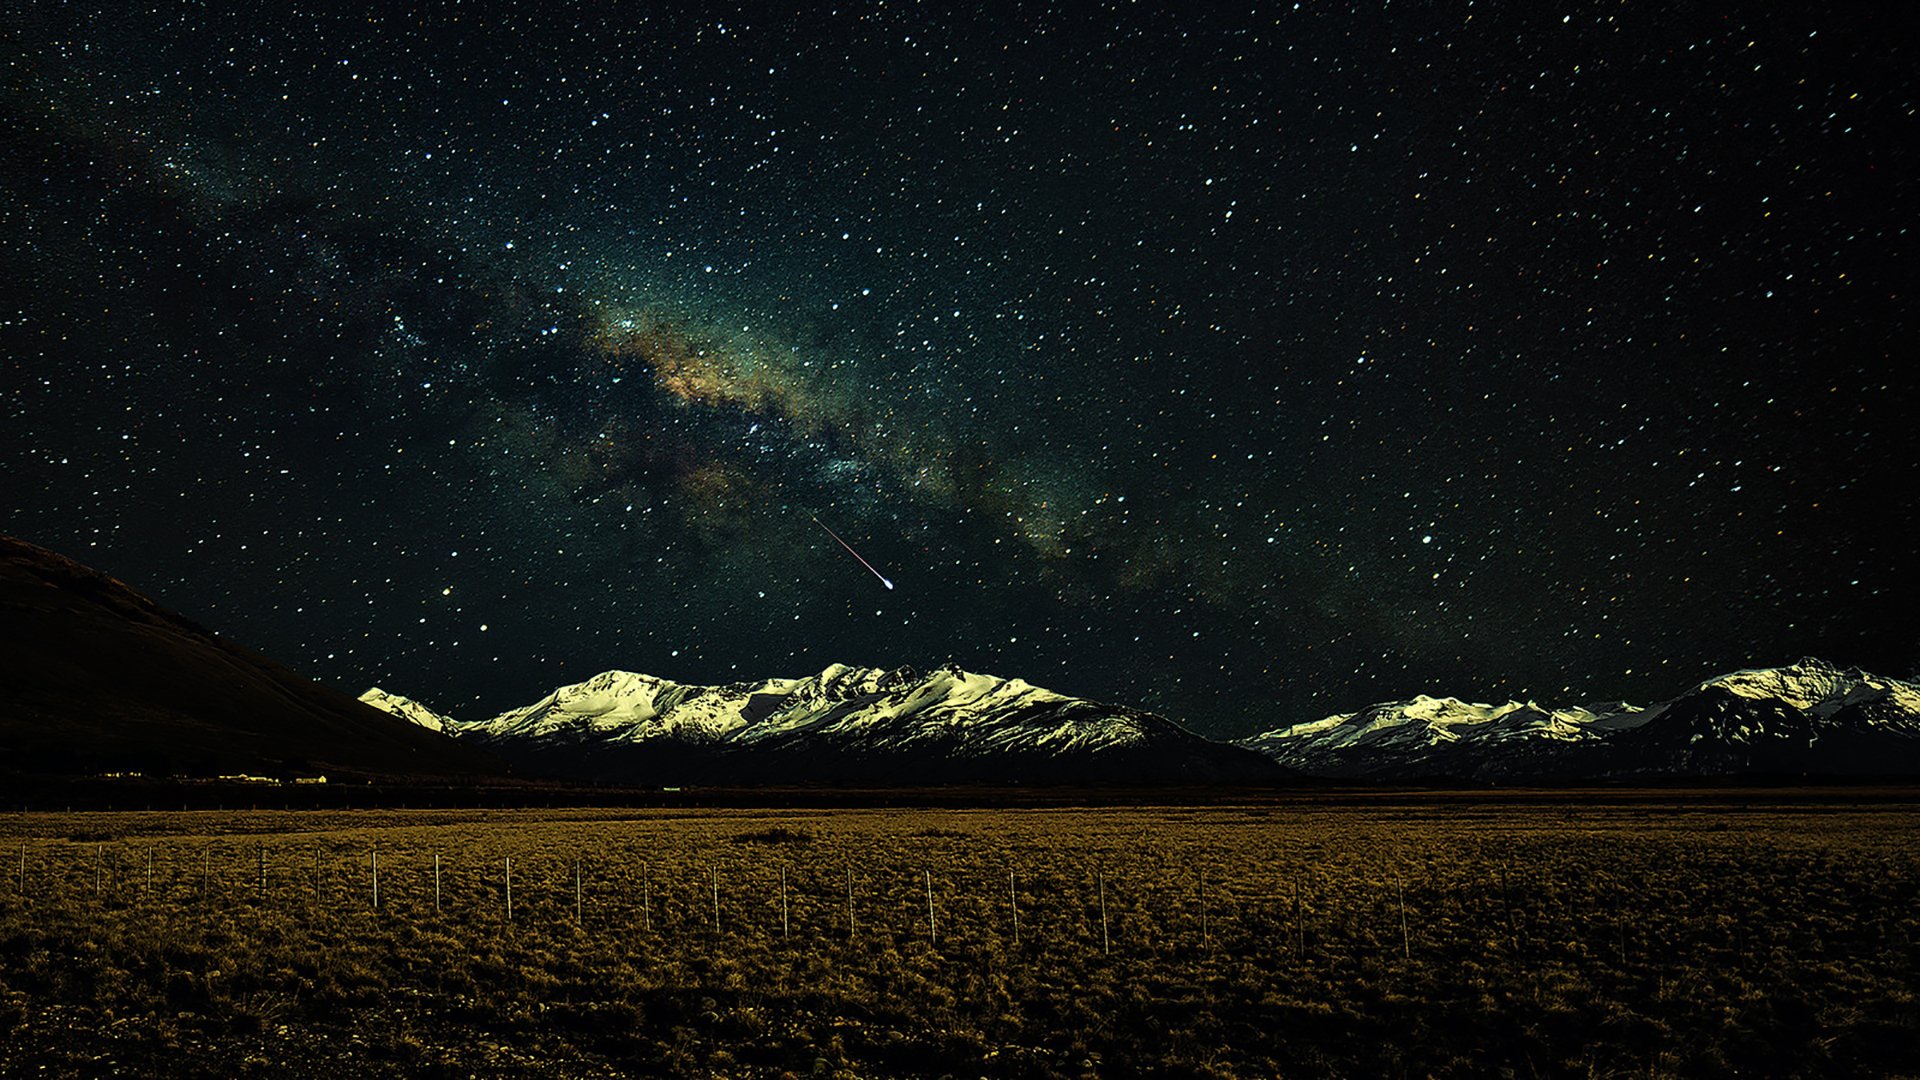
point(1242, 362)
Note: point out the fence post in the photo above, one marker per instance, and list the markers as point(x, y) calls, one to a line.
point(1106, 943)
point(1013, 904)
point(1406, 939)
point(783, 902)
point(933, 932)
point(436, 883)
point(716, 899)
point(376, 877)
point(576, 890)
point(509, 888)
point(1205, 939)
point(849, 903)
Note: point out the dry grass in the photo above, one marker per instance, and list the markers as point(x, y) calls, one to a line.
point(1409, 940)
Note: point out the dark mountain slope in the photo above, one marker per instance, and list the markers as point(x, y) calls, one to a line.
point(95, 677)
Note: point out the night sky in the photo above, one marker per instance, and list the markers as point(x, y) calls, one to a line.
point(1246, 365)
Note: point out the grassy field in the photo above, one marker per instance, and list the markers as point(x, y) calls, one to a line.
point(1403, 939)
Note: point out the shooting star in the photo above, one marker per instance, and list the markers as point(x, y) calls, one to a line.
point(850, 551)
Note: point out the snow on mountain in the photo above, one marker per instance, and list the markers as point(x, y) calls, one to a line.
point(622, 705)
point(899, 726)
point(1807, 717)
point(1824, 691)
point(963, 713)
point(842, 722)
point(626, 706)
point(1429, 736)
point(406, 709)
point(873, 707)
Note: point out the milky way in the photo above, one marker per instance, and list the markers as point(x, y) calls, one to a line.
point(1243, 365)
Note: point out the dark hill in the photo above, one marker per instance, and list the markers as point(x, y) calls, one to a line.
point(96, 677)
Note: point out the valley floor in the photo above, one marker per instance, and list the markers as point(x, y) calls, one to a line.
point(1647, 936)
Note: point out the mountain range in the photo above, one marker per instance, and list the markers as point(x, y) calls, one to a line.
point(1807, 718)
point(96, 677)
point(844, 724)
point(1810, 718)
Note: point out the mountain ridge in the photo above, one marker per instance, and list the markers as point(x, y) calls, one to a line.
point(847, 723)
point(96, 676)
point(1809, 717)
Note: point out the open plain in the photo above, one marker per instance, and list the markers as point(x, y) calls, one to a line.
point(1655, 935)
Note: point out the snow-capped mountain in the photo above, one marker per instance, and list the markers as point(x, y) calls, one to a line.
point(1827, 692)
point(1806, 718)
point(1442, 737)
point(406, 709)
point(628, 707)
point(901, 727)
point(844, 723)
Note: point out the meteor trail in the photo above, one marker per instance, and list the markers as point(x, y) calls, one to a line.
point(850, 551)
